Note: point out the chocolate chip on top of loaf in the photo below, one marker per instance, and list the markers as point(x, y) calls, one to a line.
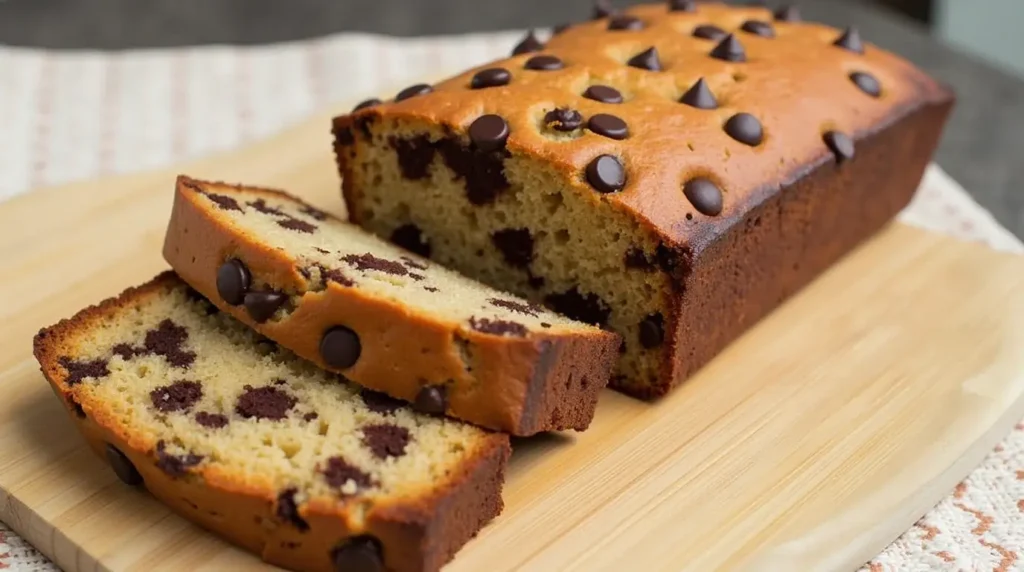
point(670, 171)
point(384, 316)
point(248, 440)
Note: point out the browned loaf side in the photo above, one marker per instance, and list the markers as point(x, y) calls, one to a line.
point(257, 445)
point(388, 319)
point(672, 172)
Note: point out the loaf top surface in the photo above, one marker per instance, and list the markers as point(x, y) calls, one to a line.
point(779, 96)
point(203, 395)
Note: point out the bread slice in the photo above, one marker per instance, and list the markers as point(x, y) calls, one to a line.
point(388, 319)
point(247, 440)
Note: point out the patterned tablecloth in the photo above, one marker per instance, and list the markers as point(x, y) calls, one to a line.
point(75, 115)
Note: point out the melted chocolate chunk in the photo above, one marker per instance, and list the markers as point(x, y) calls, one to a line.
point(410, 237)
point(343, 136)
point(79, 370)
point(431, 399)
point(416, 265)
point(563, 119)
point(483, 172)
point(233, 281)
point(635, 258)
point(498, 327)
point(415, 154)
point(370, 262)
point(211, 420)
point(360, 554)
point(516, 246)
point(262, 206)
point(224, 202)
point(298, 225)
point(386, 440)
point(311, 416)
point(175, 465)
point(178, 396)
point(380, 402)
point(521, 307)
point(338, 472)
point(652, 331)
point(589, 308)
point(336, 275)
point(266, 402)
point(262, 306)
point(288, 509)
point(123, 467)
point(166, 341)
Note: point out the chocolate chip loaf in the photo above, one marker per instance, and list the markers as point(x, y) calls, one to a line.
point(672, 172)
point(387, 318)
point(251, 442)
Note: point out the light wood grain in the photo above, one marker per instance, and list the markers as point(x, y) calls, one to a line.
point(809, 444)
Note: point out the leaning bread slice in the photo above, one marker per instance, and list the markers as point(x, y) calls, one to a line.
point(251, 442)
point(388, 319)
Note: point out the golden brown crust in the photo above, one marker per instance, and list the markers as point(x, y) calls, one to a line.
point(514, 387)
point(415, 536)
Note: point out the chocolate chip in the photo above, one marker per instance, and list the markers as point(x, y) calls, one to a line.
point(646, 60)
point(699, 95)
point(211, 420)
point(386, 440)
point(563, 119)
point(262, 206)
point(488, 133)
point(609, 126)
point(79, 370)
point(288, 509)
point(545, 325)
point(417, 277)
point(413, 263)
point(224, 202)
point(413, 91)
point(313, 212)
point(343, 136)
point(415, 154)
point(544, 63)
point(490, 77)
point(867, 83)
point(262, 305)
point(311, 416)
point(603, 93)
point(515, 245)
point(292, 223)
point(339, 472)
point(336, 275)
point(840, 144)
point(850, 40)
point(652, 331)
point(635, 258)
point(431, 289)
point(787, 14)
point(521, 307)
point(431, 399)
point(745, 128)
point(758, 28)
point(368, 103)
point(340, 347)
point(167, 341)
point(625, 22)
point(606, 174)
point(178, 396)
point(175, 465)
point(709, 32)
point(704, 195)
point(266, 402)
point(498, 327)
point(484, 173)
point(589, 309)
point(729, 49)
point(410, 237)
point(380, 402)
point(528, 44)
point(233, 281)
point(360, 554)
point(602, 9)
point(363, 123)
point(123, 467)
point(368, 261)
point(682, 6)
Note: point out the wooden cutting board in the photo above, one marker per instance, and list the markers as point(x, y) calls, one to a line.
point(810, 444)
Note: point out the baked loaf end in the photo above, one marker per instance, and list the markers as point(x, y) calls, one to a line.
point(251, 442)
point(388, 319)
point(673, 171)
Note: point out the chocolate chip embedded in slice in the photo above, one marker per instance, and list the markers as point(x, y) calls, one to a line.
point(609, 126)
point(267, 402)
point(211, 420)
point(431, 399)
point(704, 195)
point(625, 22)
point(288, 509)
point(652, 331)
point(544, 63)
point(413, 91)
point(498, 327)
point(340, 472)
point(758, 28)
point(386, 440)
point(262, 305)
point(80, 370)
point(682, 6)
point(606, 174)
point(415, 155)
point(410, 237)
point(528, 44)
point(224, 202)
point(298, 225)
point(233, 281)
point(368, 261)
point(313, 213)
point(175, 465)
point(340, 347)
point(521, 307)
point(646, 60)
point(178, 396)
point(359, 554)
point(489, 133)
point(635, 258)
point(699, 95)
point(515, 245)
point(380, 402)
point(168, 342)
point(840, 144)
point(709, 32)
point(366, 104)
point(729, 49)
point(603, 93)
point(491, 77)
point(850, 40)
point(343, 137)
point(590, 308)
point(745, 128)
point(563, 119)
point(123, 467)
point(866, 83)
point(787, 14)
point(262, 206)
